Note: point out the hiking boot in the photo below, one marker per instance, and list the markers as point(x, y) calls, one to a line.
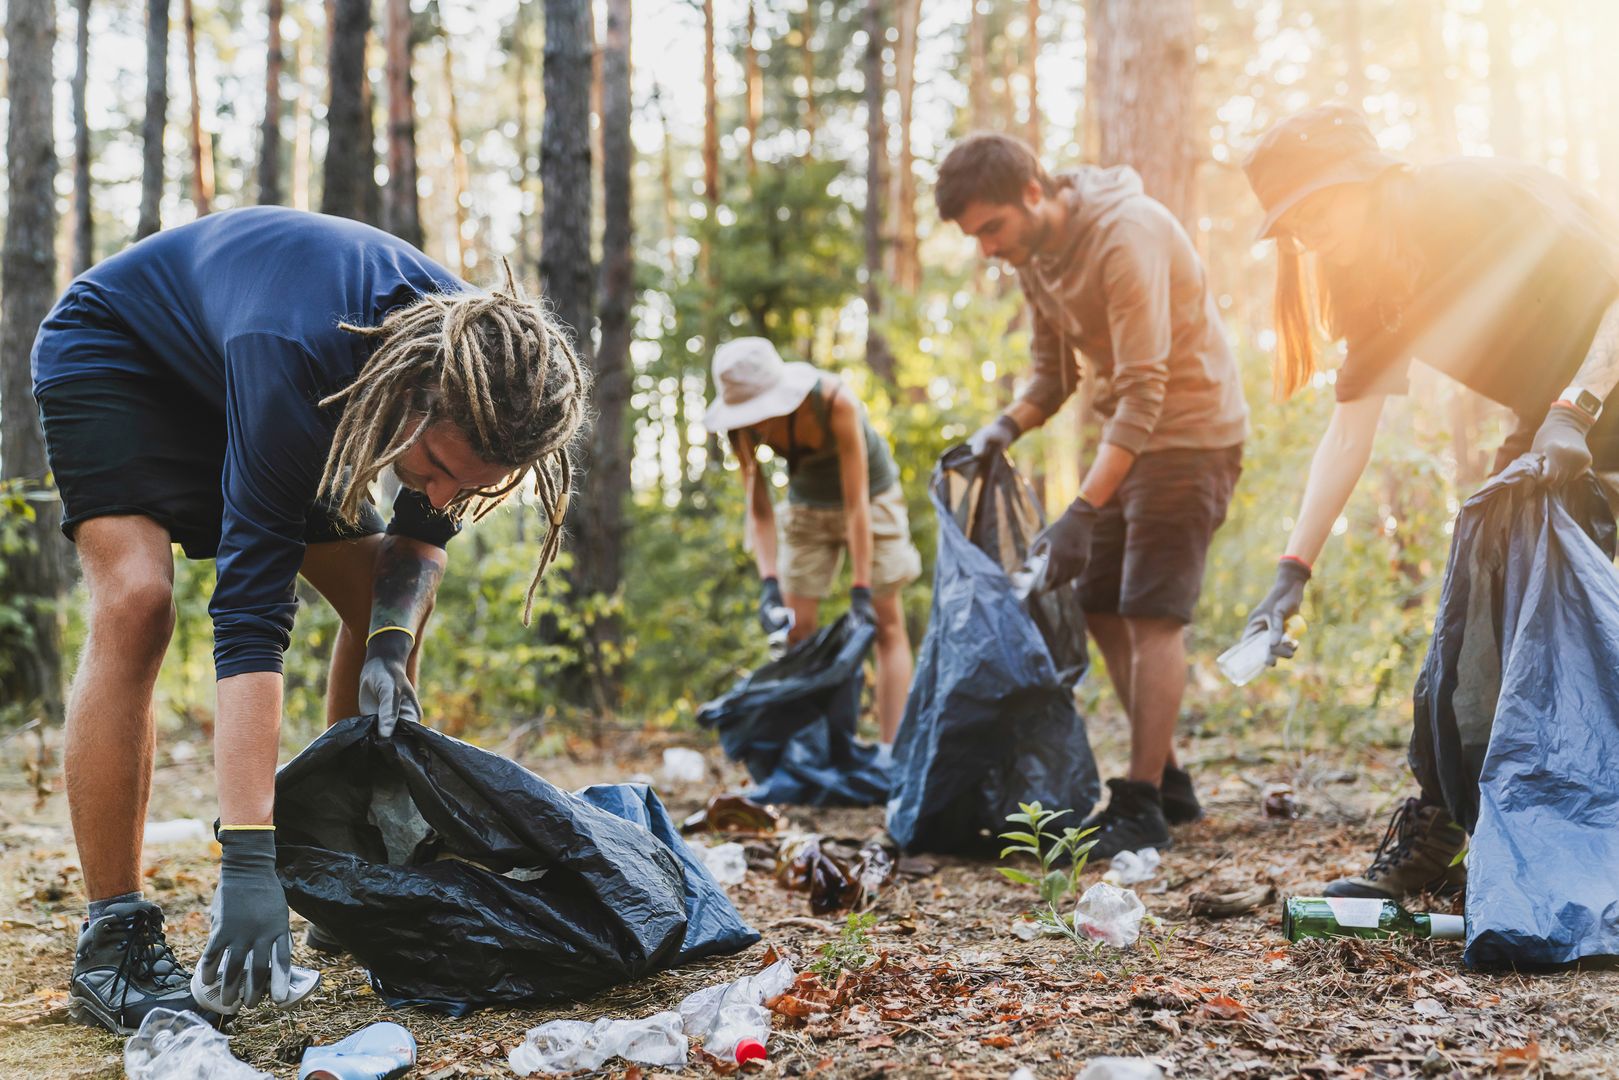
point(322, 942)
point(123, 969)
point(1180, 801)
point(1133, 819)
point(1413, 857)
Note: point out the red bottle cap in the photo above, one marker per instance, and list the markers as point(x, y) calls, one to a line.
point(750, 1050)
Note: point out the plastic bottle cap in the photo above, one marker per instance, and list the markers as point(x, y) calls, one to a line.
point(750, 1050)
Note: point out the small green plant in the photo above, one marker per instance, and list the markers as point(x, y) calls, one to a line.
point(851, 951)
point(1048, 848)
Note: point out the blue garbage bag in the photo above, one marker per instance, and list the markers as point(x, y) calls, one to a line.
point(461, 880)
point(1517, 718)
point(990, 721)
point(792, 723)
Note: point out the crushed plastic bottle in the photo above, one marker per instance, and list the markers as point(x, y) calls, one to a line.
point(730, 1018)
point(375, 1052)
point(1121, 1068)
point(182, 1046)
point(777, 639)
point(727, 862)
point(1110, 914)
point(565, 1045)
point(683, 766)
point(1133, 867)
point(300, 983)
point(1247, 659)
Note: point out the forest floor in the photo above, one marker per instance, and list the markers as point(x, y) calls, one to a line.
point(955, 992)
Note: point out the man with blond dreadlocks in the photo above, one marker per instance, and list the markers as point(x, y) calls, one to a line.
point(235, 386)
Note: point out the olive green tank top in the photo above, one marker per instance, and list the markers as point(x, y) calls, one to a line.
point(812, 475)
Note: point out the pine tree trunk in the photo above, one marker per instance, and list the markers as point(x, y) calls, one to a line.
point(878, 356)
point(1031, 73)
point(37, 576)
point(350, 160)
point(270, 130)
point(84, 245)
point(303, 111)
point(401, 207)
point(520, 54)
point(202, 147)
point(907, 263)
point(459, 170)
point(753, 89)
point(812, 116)
point(711, 122)
point(155, 121)
point(1142, 84)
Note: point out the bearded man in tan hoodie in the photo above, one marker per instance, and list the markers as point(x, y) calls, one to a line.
point(1110, 273)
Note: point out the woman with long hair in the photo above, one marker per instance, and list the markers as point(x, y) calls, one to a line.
point(1501, 275)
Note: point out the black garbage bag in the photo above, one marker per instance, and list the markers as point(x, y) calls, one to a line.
point(1517, 718)
point(462, 880)
point(990, 721)
point(792, 723)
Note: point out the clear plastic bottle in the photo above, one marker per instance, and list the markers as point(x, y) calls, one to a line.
point(1247, 659)
point(729, 1016)
point(182, 1046)
point(372, 1053)
point(566, 1045)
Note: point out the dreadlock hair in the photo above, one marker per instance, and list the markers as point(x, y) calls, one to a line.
point(498, 367)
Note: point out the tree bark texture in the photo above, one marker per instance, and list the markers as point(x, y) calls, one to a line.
point(35, 578)
point(303, 111)
point(270, 130)
point(156, 119)
point(907, 262)
point(711, 122)
point(1142, 84)
point(754, 89)
point(459, 170)
point(878, 356)
point(350, 159)
point(566, 272)
point(1031, 74)
point(401, 206)
point(520, 56)
point(84, 245)
point(202, 145)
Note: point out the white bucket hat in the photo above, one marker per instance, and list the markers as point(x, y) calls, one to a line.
point(755, 384)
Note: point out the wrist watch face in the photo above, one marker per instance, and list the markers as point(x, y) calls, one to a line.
point(1589, 402)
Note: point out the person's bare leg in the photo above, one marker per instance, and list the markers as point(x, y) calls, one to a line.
point(129, 572)
point(806, 616)
point(343, 572)
point(893, 664)
point(1159, 650)
point(1112, 637)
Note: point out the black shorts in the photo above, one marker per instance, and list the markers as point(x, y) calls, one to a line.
point(1152, 540)
point(133, 445)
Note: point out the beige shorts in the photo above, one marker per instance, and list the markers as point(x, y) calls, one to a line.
point(813, 539)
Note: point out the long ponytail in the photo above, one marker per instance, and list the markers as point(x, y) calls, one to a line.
point(1296, 325)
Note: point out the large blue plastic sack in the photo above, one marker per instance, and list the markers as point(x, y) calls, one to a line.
point(990, 721)
point(461, 880)
point(1517, 718)
point(792, 723)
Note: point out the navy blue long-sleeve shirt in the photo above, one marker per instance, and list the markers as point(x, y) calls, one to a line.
point(243, 308)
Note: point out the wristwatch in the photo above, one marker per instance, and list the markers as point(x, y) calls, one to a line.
point(1582, 399)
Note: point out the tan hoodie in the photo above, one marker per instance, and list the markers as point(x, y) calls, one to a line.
point(1123, 284)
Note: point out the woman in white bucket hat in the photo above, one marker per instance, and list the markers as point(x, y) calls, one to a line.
point(842, 492)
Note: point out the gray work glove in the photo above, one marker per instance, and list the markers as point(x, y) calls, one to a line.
point(385, 687)
point(1279, 605)
point(1561, 442)
point(249, 950)
point(994, 438)
point(1065, 545)
point(774, 614)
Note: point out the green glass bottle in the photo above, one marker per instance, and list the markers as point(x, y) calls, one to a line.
point(1336, 916)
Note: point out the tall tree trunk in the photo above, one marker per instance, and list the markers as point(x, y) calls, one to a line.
point(754, 89)
point(812, 116)
point(202, 144)
point(1506, 108)
point(302, 125)
point(369, 188)
point(270, 130)
point(156, 118)
point(401, 206)
point(84, 245)
point(458, 164)
point(1142, 84)
point(711, 122)
point(350, 159)
point(520, 54)
point(36, 577)
point(878, 356)
point(1031, 73)
point(907, 265)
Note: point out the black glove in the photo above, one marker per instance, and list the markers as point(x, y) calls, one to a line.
point(1065, 544)
point(994, 437)
point(1279, 605)
point(385, 687)
point(249, 950)
point(860, 605)
point(1561, 442)
point(774, 614)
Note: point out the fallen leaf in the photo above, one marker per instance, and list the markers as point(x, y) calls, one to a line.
point(1514, 1057)
point(1223, 1008)
point(1000, 1042)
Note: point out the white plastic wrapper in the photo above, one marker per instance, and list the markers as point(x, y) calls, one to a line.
point(683, 766)
point(1133, 867)
point(727, 862)
point(565, 1045)
point(1110, 914)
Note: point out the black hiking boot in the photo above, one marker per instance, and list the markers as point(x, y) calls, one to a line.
point(1414, 856)
point(123, 969)
point(1132, 819)
point(1180, 801)
point(323, 942)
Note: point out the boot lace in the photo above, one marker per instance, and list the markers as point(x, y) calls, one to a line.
point(1397, 839)
point(145, 949)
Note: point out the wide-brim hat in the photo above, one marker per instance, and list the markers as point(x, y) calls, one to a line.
point(1309, 151)
point(755, 384)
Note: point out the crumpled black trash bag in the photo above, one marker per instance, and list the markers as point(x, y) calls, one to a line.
point(462, 880)
point(990, 721)
point(1517, 718)
point(792, 723)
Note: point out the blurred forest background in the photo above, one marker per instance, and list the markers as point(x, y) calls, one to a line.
point(690, 170)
